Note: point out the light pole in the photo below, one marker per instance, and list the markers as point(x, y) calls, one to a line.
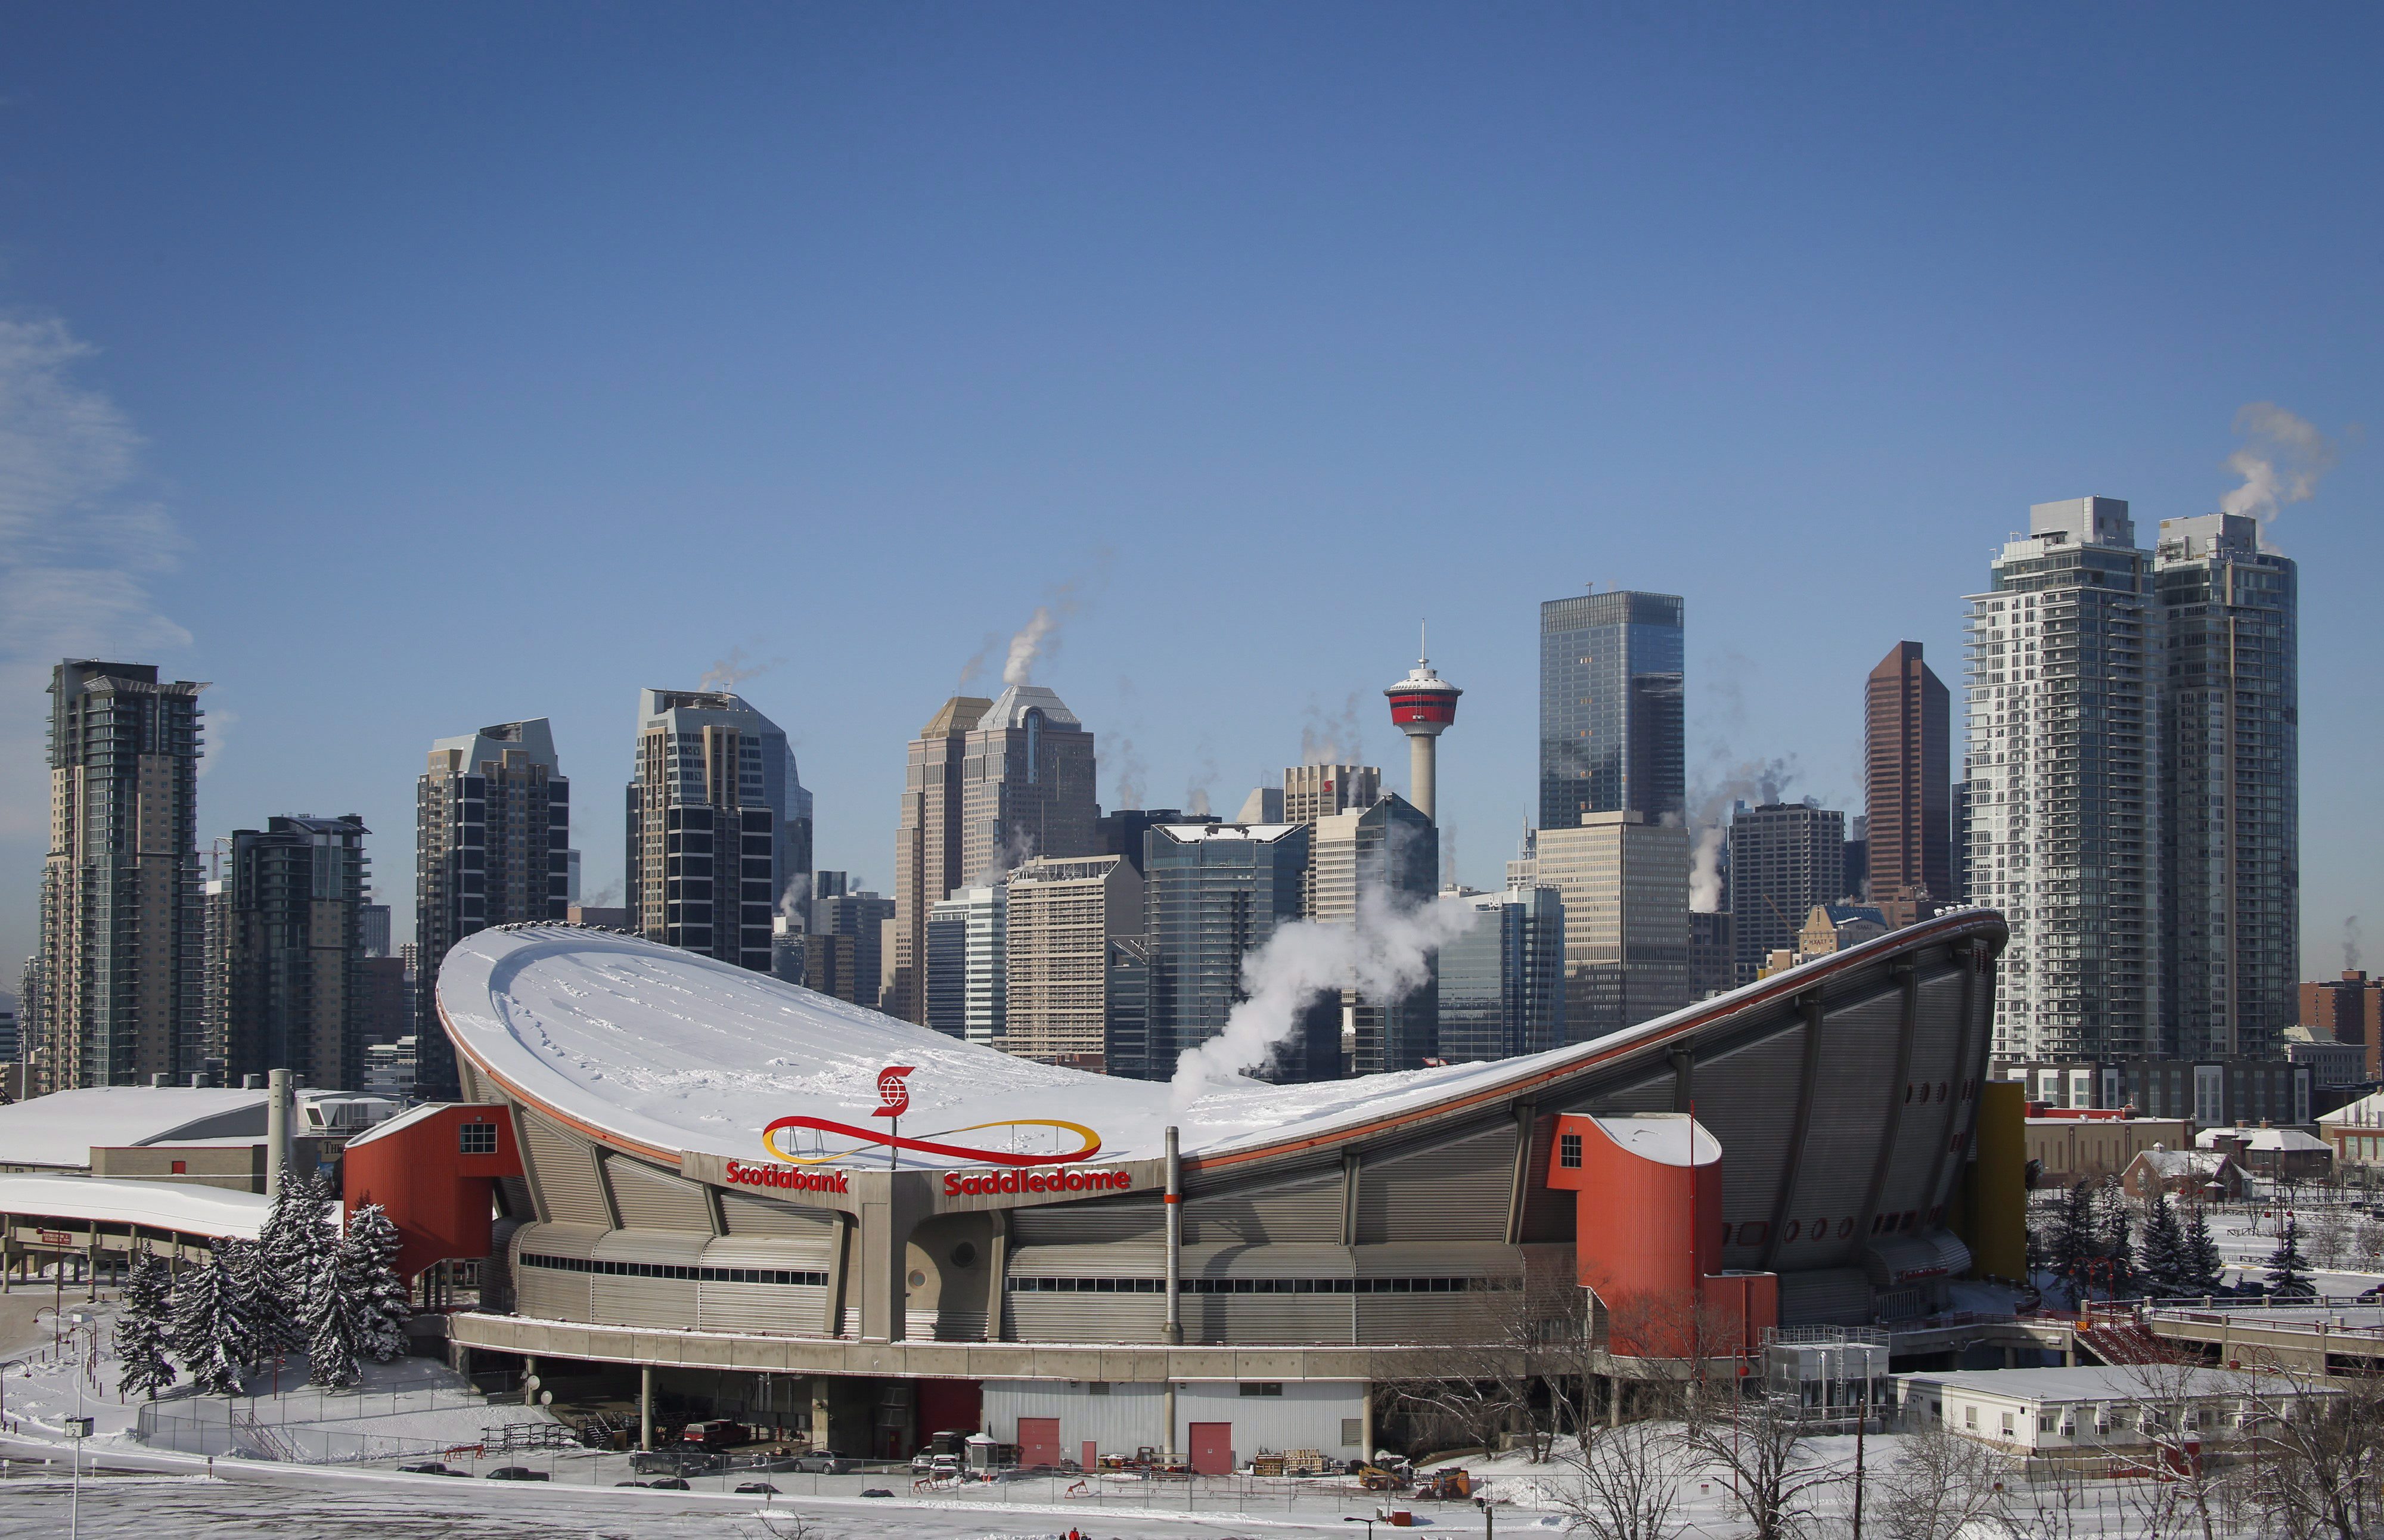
point(78, 1429)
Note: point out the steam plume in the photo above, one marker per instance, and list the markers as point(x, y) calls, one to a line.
point(1028, 644)
point(1386, 954)
point(1338, 739)
point(2283, 457)
point(2351, 945)
point(735, 669)
point(1756, 781)
point(1131, 771)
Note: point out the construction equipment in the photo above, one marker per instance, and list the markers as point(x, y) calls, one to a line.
point(1374, 1478)
point(1450, 1484)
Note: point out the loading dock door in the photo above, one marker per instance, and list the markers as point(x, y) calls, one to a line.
point(1212, 1448)
point(1039, 1441)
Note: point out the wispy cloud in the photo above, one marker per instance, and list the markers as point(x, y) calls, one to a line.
point(79, 546)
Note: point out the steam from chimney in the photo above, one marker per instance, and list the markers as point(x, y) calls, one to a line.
point(1386, 954)
point(733, 670)
point(1196, 800)
point(1761, 782)
point(1339, 739)
point(1130, 772)
point(2351, 945)
point(2283, 457)
point(1029, 645)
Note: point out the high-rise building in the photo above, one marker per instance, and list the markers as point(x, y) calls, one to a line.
point(2231, 789)
point(717, 821)
point(1625, 883)
point(1062, 916)
point(491, 819)
point(29, 1015)
point(1611, 726)
point(1386, 853)
point(1313, 791)
point(861, 916)
point(928, 845)
point(292, 956)
point(1784, 858)
point(1026, 784)
point(1212, 893)
point(1713, 957)
point(1908, 787)
point(120, 928)
point(1857, 861)
point(1502, 978)
point(2064, 690)
point(2347, 1010)
point(388, 1011)
point(373, 919)
point(967, 965)
point(1121, 832)
point(1126, 1046)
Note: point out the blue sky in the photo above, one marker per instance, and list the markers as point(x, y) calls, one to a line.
point(402, 370)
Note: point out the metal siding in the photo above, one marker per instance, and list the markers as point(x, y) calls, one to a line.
point(1307, 1209)
point(1825, 1296)
point(810, 1253)
point(1138, 1217)
point(664, 1302)
point(563, 1173)
point(1549, 1214)
point(1083, 1317)
point(1752, 1092)
point(763, 1216)
point(682, 1247)
point(1925, 1130)
point(548, 1294)
point(1454, 1191)
point(760, 1308)
point(1308, 1415)
point(650, 1200)
point(1850, 1097)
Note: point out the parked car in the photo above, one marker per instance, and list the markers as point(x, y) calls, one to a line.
point(717, 1433)
point(876, 1492)
point(426, 1467)
point(516, 1472)
point(756, 1490)
point(670, 1483)
point(928, 1463)
point(827, 1462)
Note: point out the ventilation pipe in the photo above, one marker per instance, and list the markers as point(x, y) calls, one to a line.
point(1174, 1333)
point(277, 1131)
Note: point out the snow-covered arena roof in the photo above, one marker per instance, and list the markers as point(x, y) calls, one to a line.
point(187, 1207)
point(677, 1053)
point(60, 1129)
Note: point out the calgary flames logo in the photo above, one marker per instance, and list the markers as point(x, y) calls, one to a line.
point(894, 1094)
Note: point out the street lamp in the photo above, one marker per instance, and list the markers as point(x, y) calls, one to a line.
point(78, 1429)
point(1368, 1522)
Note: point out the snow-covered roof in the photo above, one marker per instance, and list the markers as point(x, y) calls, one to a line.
point(2091, 1382)
point(2366, 1113)
point(60, 1129)
point(2269, 1140)
point(406, 1119)
point(1663, 1137)
point(2172, 1163)
point(188, 1207)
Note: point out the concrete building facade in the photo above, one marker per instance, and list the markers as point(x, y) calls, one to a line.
point(1624, 884)
point(928, 845)
point(2231, 787)
point(1906, 831)
point(1784, 859)
point(119, 928)
point(2064, 684)
point(717, 825)
point(492, 822)
point(1062, 917)
point(1386, 853)
point(1027, 780)
point(294, 994)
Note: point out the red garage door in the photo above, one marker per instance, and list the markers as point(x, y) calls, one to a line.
point(1039, 1441)
point(1212, 1448)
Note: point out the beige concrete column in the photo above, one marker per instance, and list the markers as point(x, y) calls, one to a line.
point(820, 1428)
point(645, 1406)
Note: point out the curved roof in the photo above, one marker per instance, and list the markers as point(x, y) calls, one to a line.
point(186, 1207)
point(666, 1051)
point(59, 1129)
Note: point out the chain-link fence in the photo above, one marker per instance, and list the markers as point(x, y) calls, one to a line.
point(319, 1427)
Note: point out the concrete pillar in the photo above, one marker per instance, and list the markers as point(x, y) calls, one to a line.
point(820, 1430)
point(529, 1378)
point(1366, 1420)
point(1173, 1333)
point(1167, 1410)
point(277, 1130)
point(645, 1406)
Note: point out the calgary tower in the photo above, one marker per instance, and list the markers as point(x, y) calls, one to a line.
point(1422, 705)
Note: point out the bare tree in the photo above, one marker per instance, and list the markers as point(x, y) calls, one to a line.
point(2177, 1448)
point(1941, 1484)
point(1763, 1444)
point(1680, 1354)
point(1631, 1482)
point(2367, 1244)
point(2318, 1448)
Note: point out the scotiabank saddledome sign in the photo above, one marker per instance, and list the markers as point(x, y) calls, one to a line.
point(1077, 1144)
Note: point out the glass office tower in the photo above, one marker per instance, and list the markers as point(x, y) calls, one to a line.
point(1610, 728)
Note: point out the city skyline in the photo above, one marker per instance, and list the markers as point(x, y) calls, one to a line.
point(203, 450)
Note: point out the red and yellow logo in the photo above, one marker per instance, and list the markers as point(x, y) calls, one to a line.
point(894, 1093)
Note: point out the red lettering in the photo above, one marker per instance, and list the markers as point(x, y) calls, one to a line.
point(951, 1184)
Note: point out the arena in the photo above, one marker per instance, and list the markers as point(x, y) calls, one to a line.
point(783, 1205)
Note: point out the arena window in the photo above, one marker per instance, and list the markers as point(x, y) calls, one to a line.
point(1568, 1151)
point(609, 1268)
point(1262, 1285)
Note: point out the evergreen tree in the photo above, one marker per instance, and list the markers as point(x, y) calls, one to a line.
point(2287, 1270)
point(2205, 1269)
point(297, 1254)
point(2072, 1242)
point(145, 1329)
point(369, 1274)
point(210, 1333)
point(2115, 1242)
point(2164, 1264)
point(267, 1332)
point(331, 1337)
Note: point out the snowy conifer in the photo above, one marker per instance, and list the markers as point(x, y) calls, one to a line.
point(2115, 1241)
point(269, 1330)
point(332, 1337)
point(2072, 1240)
point(295, 1260)
point(210, 1332)
point(2287, 1270)
point(2164, 1263)
point(2205, 1269)
point(368, 1274)
point(144, 1327)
